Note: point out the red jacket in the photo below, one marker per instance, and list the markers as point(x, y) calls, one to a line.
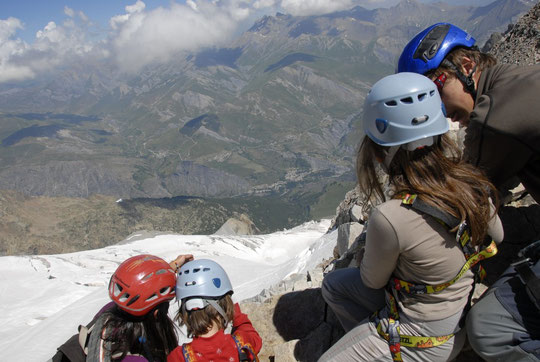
point(221, 346)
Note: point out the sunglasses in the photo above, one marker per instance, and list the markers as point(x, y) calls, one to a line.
point(439, 82)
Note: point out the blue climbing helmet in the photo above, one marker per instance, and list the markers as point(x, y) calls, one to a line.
point(404, 110)
point(201, 282)
point(427, 50)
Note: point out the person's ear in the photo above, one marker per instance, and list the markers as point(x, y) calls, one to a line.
point(155, 313)
point(468, 65)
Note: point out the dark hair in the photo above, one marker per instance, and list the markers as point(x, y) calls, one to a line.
point(200, 321)
point(482, 61)
point(124, 330)
point(437, 174)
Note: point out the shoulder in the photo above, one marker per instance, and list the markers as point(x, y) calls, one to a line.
point(176, 355)
point(390, 220)
point(393, 211)
point(502, 77)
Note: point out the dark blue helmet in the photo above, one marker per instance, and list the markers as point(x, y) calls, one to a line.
point(427, 50)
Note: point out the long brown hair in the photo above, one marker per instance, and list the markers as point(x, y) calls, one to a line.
point(125, 330)
point(200, 321)
point(437, 174)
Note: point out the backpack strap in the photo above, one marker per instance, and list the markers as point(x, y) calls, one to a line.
point(527, 256)
point(416, 203)
point(188, 353)
point(98, 348)
point(245, 350)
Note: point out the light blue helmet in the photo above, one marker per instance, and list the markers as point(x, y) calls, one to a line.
point(199, 280)
point(404, 109)
point(427, 50)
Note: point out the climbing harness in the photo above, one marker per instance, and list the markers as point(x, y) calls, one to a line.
point(392, 333)
point(245, 351)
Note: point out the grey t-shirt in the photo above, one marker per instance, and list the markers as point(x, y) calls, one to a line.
point(414, 247)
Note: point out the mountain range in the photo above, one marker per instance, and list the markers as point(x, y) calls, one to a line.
point(276, 112)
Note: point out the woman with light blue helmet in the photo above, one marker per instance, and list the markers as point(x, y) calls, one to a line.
point(423, 242)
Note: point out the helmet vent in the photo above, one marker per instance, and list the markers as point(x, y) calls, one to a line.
point(432, 93)
point(165, 290)
point(123, 297)
point(421, 119)
point(161, 271)
point(206, 269)
point(152, 297)
point(117, 289)
point(391, 103)
point(196, 270)
point(429, 46)
point(406, 100)
point(133, 300)
point(148, 276)
point(422, 96)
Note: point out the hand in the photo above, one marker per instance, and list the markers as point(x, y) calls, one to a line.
point(180, 260)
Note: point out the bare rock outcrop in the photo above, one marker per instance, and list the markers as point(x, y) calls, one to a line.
point(521, 42)
point(240, 225)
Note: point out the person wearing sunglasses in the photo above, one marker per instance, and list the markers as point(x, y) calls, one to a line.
point(498, 103)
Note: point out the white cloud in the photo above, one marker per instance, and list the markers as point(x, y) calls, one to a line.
point(143, 37)
point(83, 17)
point(9, 27)
point(140, 36)
point(136, 8)
point(315, 7)
point(192, 4)
point(69, 11)
point(9, 48)
point(118, 20)
point(261, 4)
point(53, 45)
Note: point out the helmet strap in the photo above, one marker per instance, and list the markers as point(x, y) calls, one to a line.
point(390, 153)
point(220, 310)
point(203, 302)
point(467, 80)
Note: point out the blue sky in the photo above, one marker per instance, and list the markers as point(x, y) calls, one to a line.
point(35, 14)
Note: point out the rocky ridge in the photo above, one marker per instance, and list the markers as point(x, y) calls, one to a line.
point(520, 44)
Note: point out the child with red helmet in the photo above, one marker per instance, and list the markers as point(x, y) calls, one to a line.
point(135, 326)
point(204, 290)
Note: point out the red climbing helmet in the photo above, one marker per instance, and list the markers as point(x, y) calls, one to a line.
point(142, 282)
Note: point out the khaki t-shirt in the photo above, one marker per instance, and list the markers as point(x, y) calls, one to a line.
point(414, 247)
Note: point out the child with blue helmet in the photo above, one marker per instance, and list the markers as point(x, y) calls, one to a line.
point(204, 290)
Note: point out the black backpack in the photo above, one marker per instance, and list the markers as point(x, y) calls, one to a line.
point(85, 345)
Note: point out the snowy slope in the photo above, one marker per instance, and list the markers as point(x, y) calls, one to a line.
point(44, 298)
